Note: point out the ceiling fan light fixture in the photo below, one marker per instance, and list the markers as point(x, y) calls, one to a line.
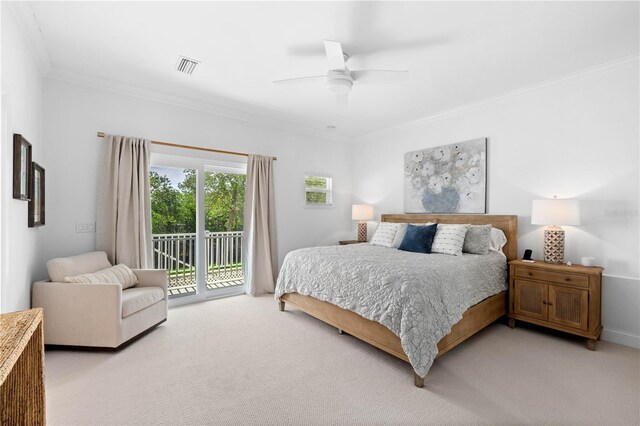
point(339, 84)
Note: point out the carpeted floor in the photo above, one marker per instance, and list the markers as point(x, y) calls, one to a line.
point(240, 361)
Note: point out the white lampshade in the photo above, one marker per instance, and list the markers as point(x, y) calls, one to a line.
point(555, 212)
point(361, 212)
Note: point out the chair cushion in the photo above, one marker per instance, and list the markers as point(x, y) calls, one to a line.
point(77, 265)
point(135, 299)
point(120, 274)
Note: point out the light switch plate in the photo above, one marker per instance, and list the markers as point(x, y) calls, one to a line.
point(85, 227)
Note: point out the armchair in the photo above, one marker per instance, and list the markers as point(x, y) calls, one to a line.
point(98, 315)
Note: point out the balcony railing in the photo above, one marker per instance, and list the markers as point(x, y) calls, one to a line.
point(177, 254)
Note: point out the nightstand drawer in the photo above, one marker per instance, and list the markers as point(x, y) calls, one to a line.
point(554, 277)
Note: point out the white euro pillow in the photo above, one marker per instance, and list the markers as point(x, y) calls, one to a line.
point(498, 239)
point(449, 239)
point(402, 229)
point(385, 234)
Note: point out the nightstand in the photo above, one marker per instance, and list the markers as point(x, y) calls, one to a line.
point(346, 242)
point(565, 298)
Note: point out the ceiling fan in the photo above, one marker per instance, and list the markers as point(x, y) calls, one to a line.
point(339, 79)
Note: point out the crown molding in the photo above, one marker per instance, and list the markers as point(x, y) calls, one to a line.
point(182, 102)
point(517, 92)
point(30, 29)
point(32, 33)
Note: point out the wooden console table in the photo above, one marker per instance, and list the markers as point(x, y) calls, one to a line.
point(22, 368)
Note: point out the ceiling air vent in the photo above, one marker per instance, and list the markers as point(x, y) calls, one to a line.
point(186, 65)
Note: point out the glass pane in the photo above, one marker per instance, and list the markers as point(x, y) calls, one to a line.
point(36, 196)
point(23, 169)
point(316, 197)
point(316, 182)
point(224, 217)
point(173, 224)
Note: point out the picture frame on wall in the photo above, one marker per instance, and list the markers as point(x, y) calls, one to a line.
point(36, 203)
point(447, 179)
point(21, 168)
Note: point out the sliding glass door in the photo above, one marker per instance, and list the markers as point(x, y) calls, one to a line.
point(173, 225)
point(197, 214)
point(223, 219)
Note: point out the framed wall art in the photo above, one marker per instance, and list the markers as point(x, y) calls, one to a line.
point(21, 167)
point(36, 203)
point(446, 179)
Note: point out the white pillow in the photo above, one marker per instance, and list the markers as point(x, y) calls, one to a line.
point(402, 229)
point(449, 239)
point(385, 234)
point(498, 239)
point(119, 274)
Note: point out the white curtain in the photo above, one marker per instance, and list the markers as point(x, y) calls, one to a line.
point(259, 238)
point(123, 223)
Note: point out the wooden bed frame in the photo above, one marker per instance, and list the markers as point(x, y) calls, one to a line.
point(473, 320)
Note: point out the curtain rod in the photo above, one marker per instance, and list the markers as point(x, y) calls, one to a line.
point(197, 148)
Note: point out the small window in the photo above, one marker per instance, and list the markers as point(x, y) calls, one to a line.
point(318, 191)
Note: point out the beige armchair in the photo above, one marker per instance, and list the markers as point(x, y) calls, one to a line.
point(98, 315)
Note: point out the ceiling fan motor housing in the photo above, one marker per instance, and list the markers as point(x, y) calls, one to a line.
point(339, 82)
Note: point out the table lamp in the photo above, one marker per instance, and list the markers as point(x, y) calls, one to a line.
point(362, 213)
point(554, 213)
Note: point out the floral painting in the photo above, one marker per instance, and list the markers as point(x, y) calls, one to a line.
point(446, 179)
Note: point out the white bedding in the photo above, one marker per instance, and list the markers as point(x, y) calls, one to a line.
point(419, 297)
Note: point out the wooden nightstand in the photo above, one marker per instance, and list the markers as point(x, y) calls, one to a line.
point(345, 242)
point(565, 298)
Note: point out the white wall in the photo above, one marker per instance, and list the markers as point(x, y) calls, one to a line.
point(74, 113)
point(22, 101)
point(575, 137)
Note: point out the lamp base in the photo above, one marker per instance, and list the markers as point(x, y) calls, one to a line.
point(362, 232)
point(554, 245)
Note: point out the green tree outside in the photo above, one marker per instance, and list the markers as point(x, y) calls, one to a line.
point(173, 210)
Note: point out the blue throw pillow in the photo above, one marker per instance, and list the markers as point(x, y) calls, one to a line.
point(418, 239)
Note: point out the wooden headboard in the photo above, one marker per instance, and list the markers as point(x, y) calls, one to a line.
point(508, 224)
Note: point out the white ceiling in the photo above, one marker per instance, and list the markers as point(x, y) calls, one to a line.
point(457, 52)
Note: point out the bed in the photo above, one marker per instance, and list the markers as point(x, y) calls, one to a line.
point(321, 282)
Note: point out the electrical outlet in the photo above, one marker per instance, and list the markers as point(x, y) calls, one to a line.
point(85, 227)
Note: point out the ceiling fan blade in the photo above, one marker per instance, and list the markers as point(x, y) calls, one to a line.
point(335, 57)
point(375, 76)
point(299, 79)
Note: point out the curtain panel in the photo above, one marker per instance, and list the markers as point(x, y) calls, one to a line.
point(123, 222)
point(259, 238)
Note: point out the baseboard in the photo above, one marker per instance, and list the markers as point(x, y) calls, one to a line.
point(621, 337)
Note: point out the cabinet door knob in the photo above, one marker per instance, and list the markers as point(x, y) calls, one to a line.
point(550, 304)
point(530, 274)
point(544, 302)
point(567, 279)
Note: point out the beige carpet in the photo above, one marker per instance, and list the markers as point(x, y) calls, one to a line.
point(240, 361)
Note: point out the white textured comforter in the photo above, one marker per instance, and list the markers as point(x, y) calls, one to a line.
point(419, 297)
